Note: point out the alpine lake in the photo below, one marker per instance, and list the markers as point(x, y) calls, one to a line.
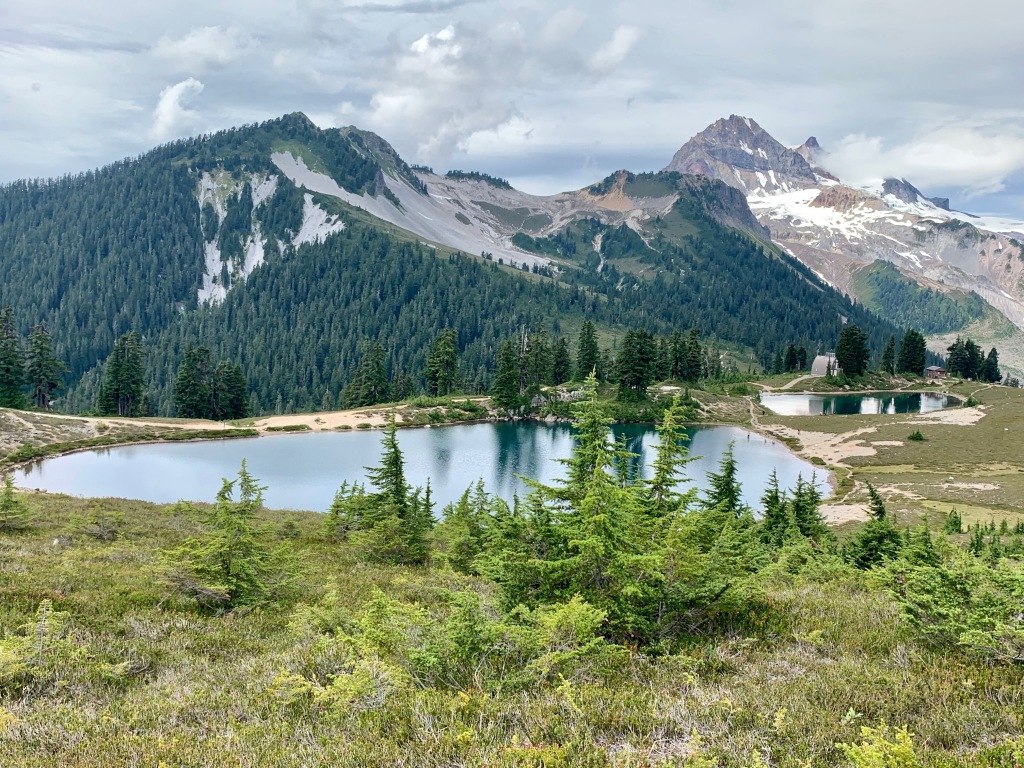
point(303, 471)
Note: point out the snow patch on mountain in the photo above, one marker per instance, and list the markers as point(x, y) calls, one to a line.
point(262, 189)
point(215, 189)
point(254, 254)
point(317, 224)
point(797, 210)
point(211, 291)
point(432, 216)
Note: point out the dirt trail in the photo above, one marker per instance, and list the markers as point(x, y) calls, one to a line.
point(796, 381)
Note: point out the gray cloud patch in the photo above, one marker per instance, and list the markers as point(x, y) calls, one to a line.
point(512, 88)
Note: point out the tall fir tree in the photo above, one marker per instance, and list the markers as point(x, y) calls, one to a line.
point(193, 389)
point(537, 363)
point(911, 358)
point(990, 368)
point(561, 366)
point(587, 354)
point(725, 490)
point(43, 369)
point(396, 521)
point(12, 362)
point(775, 517)
point(889, 356)
point(852, 352)
point(369, 384)
point(792, 361)
point(123, 379)
point(207, 391)
point(442, 364)
point(505, 387)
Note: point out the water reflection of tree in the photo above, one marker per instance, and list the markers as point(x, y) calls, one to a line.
point(527, 450)
point(439, 449)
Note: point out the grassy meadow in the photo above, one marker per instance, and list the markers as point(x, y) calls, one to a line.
point(353, 663)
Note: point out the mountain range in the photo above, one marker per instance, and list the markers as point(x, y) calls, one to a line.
point(286, 247)
point(837, 230)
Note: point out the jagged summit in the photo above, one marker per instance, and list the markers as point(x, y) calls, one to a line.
point(906, 192)
point(810, 151)
point(741, 153)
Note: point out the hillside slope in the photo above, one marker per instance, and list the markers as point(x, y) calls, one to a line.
point(286, 247)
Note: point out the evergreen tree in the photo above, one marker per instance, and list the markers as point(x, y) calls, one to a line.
point(852, 353)
point(776, 517)
point(395, 522)
point(877, 541)
point(587, 354)
point(43, 370)
point(562, 362)
point(671, 458)
point(207, 391)
point(801, 358)
point(975, 358)
point(370, 383)
point(229, 392)
point(677, 355)
point(725, 491)
point(889, 356)
point(629, 368)
point(792, 361)
point(389, 478)
point(804, 509)
point(466, 528)
point(230, 566)
point(912, 353)
point(346, 512)
point(12, 362)
point(193, 390)
point(505, 388)
point(14, 514)
point(442, 364)
point(694, 369)
point(123, 379)
point(990, 368)
point(537, 368)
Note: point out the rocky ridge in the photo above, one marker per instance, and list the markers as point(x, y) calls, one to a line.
point(835, 228)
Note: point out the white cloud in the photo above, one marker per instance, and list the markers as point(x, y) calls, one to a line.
point(170, 118)
point(443, 88)
point(614, 52)
point(562, 26)
point(976, 160)
point(526, 89)
point(204, 48)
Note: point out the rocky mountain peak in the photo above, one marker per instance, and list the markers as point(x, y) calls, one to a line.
point(741, 153)
point(810, 151)
point(906, 192)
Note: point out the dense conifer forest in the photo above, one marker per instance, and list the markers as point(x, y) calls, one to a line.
point(120, 250)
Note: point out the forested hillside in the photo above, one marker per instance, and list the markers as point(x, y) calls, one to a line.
point(886, 291)
point(128, 247)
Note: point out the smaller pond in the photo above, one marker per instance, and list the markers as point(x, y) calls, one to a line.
point(803, 404)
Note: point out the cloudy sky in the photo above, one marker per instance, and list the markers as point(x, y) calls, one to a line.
point(550, 95)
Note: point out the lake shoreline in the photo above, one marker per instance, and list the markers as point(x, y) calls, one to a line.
point(330, 422)
point(499, 452)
